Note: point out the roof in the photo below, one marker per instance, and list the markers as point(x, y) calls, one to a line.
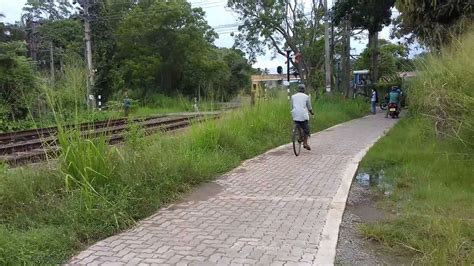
point(407, 74)
point(271, 77)
point(364, 71)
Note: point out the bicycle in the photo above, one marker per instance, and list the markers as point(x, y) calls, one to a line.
point(297, 138)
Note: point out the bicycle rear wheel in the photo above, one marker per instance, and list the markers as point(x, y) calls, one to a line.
point(297, 139)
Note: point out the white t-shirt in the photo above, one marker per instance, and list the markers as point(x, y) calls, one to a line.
point(300, 104)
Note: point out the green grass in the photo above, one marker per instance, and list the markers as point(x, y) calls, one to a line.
point(429, 160)
point(46, 215)
point(433, 195)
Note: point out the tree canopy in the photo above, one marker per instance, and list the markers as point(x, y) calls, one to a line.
point(393, 58)
point(279, 25)
point(434, 23)
point(145, 46)
point(370, 15)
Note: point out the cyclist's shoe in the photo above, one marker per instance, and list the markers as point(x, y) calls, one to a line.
point(307, 147)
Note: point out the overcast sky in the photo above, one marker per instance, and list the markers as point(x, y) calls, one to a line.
point(217, 15)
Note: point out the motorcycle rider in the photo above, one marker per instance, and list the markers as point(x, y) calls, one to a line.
point(394, 97)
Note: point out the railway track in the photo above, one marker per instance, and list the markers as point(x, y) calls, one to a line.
point(35, 145)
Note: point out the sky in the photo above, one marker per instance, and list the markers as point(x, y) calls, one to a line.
point(218, 16)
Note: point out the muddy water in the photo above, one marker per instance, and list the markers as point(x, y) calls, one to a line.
point(374, 180)
point(353, 248)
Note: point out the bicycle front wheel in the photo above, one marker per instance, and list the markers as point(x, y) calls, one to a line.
point(296, 137)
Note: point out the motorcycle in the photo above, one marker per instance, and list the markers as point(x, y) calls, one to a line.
point(384, 104)
point(393, 110)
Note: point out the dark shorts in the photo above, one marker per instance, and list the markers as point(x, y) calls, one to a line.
point(305, 126)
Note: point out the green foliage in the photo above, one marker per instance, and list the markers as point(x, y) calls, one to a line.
point(50, 22)
point(435, 23)
point(66, 35)
point(45, 219)
point(371, 15)
point(158, 55)
point(265, 24)
point(108, 79)
point(18, 81)
point(11, 32)
point(51, 9)
point(393, 58)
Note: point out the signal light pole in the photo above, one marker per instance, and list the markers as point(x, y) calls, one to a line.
point(288, 65)
point(327, 57)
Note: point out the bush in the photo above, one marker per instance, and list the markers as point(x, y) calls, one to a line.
point(18, 81)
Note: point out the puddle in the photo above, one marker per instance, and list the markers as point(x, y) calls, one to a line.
point(374, 180)
point(353, 248)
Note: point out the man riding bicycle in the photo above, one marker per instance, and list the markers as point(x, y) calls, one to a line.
point(300, 106)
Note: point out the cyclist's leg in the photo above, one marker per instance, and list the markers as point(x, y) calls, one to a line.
point(307, 133)
point(299, 127)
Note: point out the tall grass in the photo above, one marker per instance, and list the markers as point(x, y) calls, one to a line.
point(429, 159)
point(444, 90)
point(97, 191)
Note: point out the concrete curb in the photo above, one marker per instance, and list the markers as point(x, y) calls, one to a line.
point(326, 254)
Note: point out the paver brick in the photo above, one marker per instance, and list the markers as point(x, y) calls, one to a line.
point(269, 211)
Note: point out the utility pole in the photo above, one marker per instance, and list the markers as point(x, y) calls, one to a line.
point(331, 54)
point(346, 58)
point(51, 59)
point(87, 37)
point(327, 57)
point(51, 48)
point(288, 64)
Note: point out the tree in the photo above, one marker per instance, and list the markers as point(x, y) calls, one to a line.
point(11, 32)
point(48, 9)
point(392, 59)
point(370, 15)
point(434, 23)
point(49, 28)
point(17, 80)
point(157, 56)
point(278, 25)
point(66, 34)
point(240, 71)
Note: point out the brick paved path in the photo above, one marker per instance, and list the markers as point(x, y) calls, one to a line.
point(275, 209)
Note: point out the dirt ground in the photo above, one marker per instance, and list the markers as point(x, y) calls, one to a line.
point(352, 248)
